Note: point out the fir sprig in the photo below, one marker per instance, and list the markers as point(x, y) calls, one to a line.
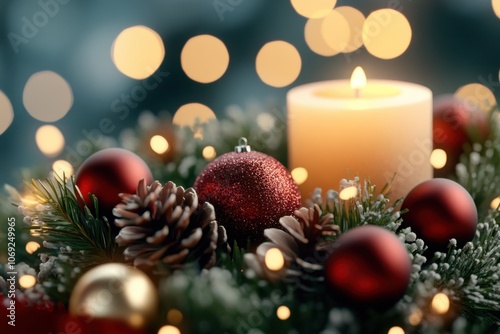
point(366, 206)
point(478, 167)
point(74, 238)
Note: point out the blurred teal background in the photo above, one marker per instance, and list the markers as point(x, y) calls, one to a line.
point(454, 42)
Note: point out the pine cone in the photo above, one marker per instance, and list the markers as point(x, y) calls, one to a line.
point(164, 224)
point(302, 244)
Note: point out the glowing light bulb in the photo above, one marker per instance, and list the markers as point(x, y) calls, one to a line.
point(159, 144)
point(274, 259)
point(396, 330)
point(299, 175)
point(209, 153)
point(169, 330)
point(27, 281)
point(32, 246)
point(438, 158)
point(283, 312)
point(495, 204)
point(348, 193)
point(440, 303)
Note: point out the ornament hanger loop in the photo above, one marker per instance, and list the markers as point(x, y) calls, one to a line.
point(242, 146)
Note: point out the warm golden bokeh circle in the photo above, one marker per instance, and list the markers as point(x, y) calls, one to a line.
point(386, 33)
point(278, 63)
point(138, 52)
point(476, 95)
point(6, 113)
point(204, 58)
point(315, 39)
point(50, 140)
point(336, 31)
point(355, 19)
point(496, 7)
point(47, 96)
point(313, 8)
point(193, 115)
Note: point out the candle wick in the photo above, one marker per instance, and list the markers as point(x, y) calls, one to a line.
point(357, 93)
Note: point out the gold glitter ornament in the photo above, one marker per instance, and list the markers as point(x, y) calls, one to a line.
point(250, 192)
point(115, 291)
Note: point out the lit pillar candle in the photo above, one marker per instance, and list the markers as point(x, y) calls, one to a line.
point(368, 128)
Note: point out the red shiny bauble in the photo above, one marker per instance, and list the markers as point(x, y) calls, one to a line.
point(250, 192)
point(109, 172)
point(439, 210)
point(454, 125)
point(368, 267)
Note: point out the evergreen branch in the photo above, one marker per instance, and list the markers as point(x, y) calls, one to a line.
point(478, 167)
point(63, 223)
point(366, 207)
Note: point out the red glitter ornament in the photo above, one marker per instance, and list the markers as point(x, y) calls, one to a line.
point(109, 172)
point(439, 210)
point(368, 267)
point(455, 124)
point(250, 192)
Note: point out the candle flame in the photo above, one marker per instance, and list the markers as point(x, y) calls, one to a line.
point(358, 78)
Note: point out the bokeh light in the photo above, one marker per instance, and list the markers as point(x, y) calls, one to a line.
point(348, 193)
point(168, 329)
point(299, 175)
point(47, 96)
point(193, 115)
point(209, 153)
point(495, 204)
point(316, 40)
point(476, 95)
point(355, 19)
point(274, 259)
point(27, 281)
point(438, 158)
point(386, 33)
point(174, 316)
point(6, 113)
point(336, 31)
point(266, 121)
point(32, 246)
point(396, 330)
point(62, 168)
point(496, 7)
point(283, 312)
point(278, 63)
point(138, 52)
point(415, 317)
point(313, 8)
point(50, 140)
point(440, 303)
point(204, 58)
point(159, 144)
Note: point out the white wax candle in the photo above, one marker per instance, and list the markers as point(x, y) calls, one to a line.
point(335, 133)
